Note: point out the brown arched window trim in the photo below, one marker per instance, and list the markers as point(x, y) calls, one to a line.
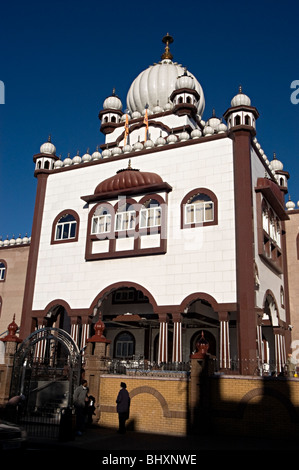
point(188, 196)
point(54, 225)
point(5, 270)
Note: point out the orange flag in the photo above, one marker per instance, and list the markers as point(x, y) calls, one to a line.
point(126, 129)
point(145, 121)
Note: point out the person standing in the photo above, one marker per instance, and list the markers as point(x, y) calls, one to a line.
point(80, 399)
point(123, 407)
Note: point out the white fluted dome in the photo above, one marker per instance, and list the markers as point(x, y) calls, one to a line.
point(276, 165)
point(185, 81)
point(112, 102)
point(240, 99)
point(158, 81)
point(48, 148)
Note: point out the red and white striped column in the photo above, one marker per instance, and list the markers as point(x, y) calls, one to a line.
point(163, 339)
point(177, 338)
point(224, 356)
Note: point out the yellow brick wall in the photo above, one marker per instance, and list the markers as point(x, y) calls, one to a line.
point(157, 405)
point(250, 406)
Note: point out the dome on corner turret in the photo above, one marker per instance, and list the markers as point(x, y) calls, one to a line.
point(48, 147)
point(240, 99)
point(158, 81)
point(112, 102)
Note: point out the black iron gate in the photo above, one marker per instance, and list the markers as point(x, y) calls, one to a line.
point(47, 368)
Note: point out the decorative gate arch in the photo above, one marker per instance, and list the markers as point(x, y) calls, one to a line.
point(47, 368)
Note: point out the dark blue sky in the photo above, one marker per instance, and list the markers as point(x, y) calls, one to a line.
point(59, 60)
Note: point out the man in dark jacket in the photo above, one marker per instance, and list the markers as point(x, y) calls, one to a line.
point(123, 407)
point(80, 399)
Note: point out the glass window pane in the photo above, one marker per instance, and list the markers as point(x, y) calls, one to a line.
point(58, 232)
point(73, 230)
point(66, 228)
point(209, 215)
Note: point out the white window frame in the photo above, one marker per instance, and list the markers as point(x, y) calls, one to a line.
point(103, 220)
point(199, 208)
point(62, 226)
point(124, 221)
point(150, 217)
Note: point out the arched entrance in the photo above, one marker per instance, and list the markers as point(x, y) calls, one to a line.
point(47, 368)
point(273, 351)
point(131, 324)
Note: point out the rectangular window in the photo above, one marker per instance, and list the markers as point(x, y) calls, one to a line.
point(150, 217)
point(101, 224)
point(199, 212)
point(125, 220)
point(66, 231)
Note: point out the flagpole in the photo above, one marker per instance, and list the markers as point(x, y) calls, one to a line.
point(145, 121)
point(126, 129)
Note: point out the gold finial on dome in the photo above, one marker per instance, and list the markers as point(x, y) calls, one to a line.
point(167, 40)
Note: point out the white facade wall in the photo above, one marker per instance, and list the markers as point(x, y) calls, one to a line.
point(197, 260)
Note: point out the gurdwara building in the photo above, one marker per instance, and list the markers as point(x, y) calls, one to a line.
point(171, 231)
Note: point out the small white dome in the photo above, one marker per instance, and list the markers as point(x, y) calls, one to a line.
point(137, 146)
point(157, 109)
point(184, 136)
point(290, 205)
point(168, 106)
point(196, 133)
point(113, 102)
point(221, 128)
point(58, 164)
point(77, 159)
point(136, 115)
point(67, 161)
point(148, 144)
point(240, 99)
point(116, 151)
point(127, 148)
point(106, 153)
point(185, 81)
point(96, 155)
point(48, 148)
point(172, 139)
point(19, 240)
point(214, 121)
point(276, 164)
point(86, 157)
point(208, 130)
point(160, 141)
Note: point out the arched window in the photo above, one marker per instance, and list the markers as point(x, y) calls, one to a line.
point(199, 208)
point(150, 214)
point(65, 227)
point(124, 346)
point(237, 120)
point(2, 270)
point(247, 120)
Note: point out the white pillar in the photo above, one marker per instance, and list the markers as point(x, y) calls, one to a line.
point(163, 340)
point(177, 339)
